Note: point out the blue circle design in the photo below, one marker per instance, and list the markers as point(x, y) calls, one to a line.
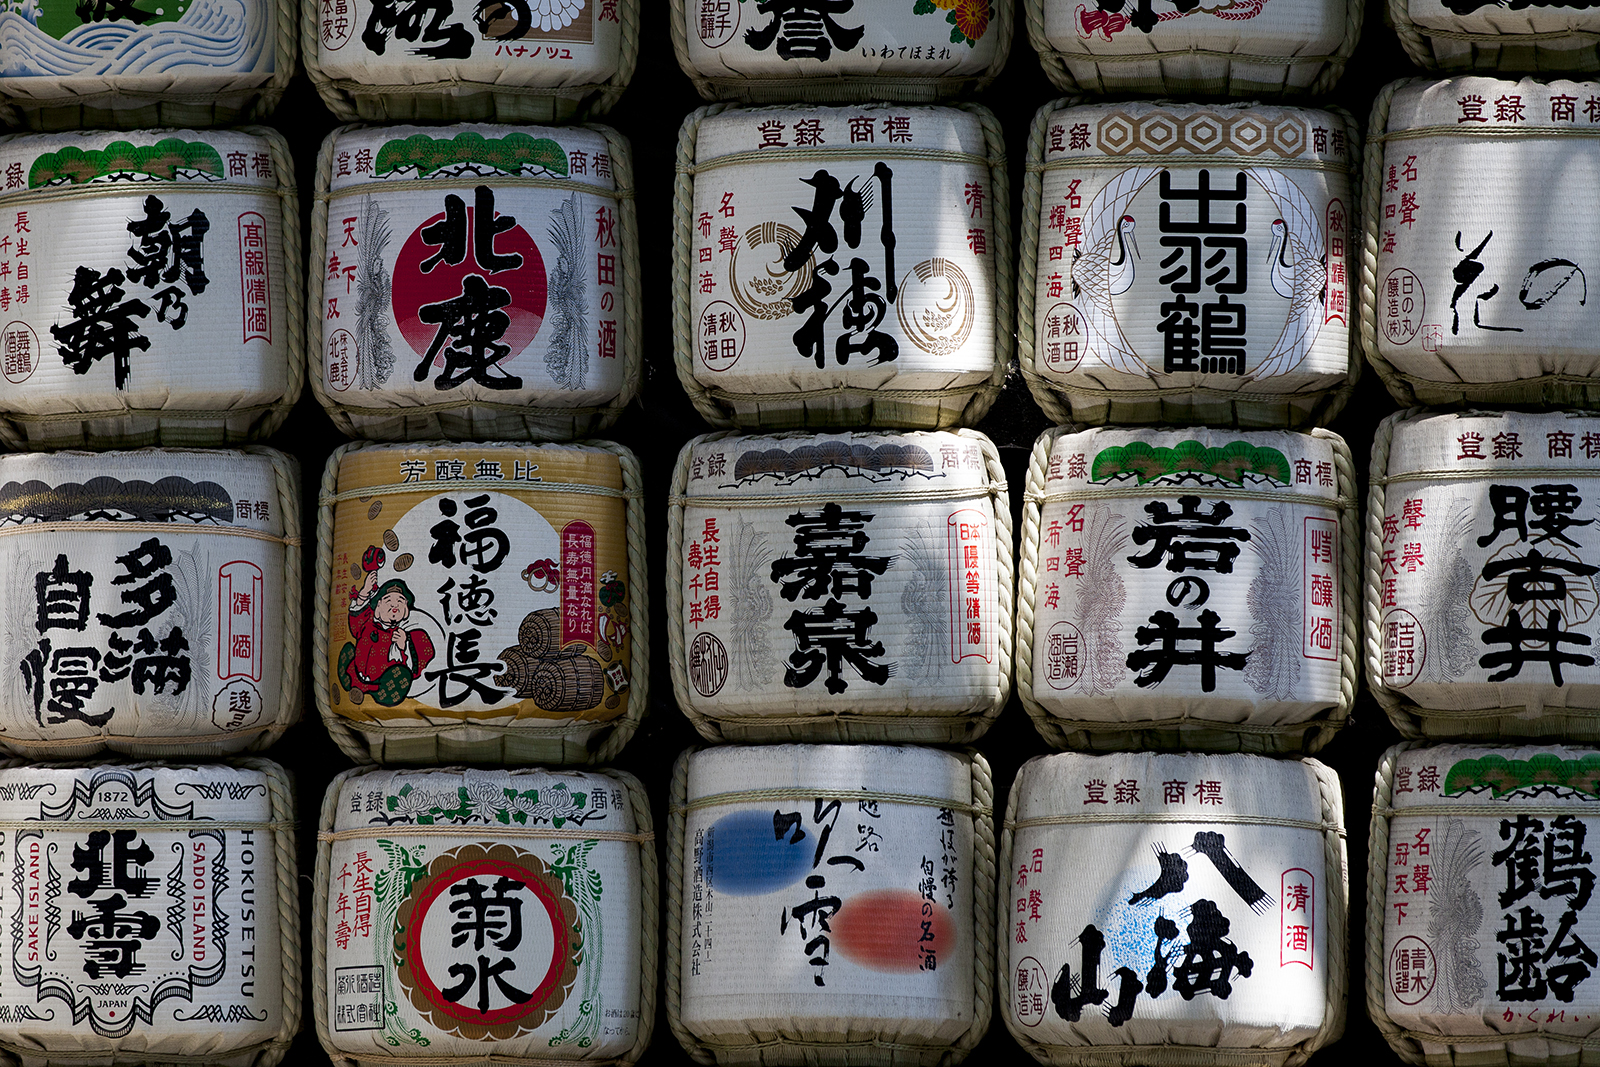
point(744, 859)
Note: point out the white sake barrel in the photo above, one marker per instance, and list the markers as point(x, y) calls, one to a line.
point(463, 914)
point(1462, 300)
point(1479, 922)
point(1251, 49)
point(154, 914)
point(1189, 589)
point(150, 288)
point(155, 602)
point(842, 266)
point(432, 325)
point(1480, 585)
point(841, 51)
point(468, 60)
point(1188, 263)
point(1209, 928)
point(482, 602)
point(122, 65)
point(840, 587)
point(1492, 35)
point(830, 904)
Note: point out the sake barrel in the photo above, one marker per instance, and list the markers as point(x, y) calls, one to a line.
point(1192, 589)
point(1240, 315)
point(111, 64)
point(434, 324)
point(841, 51)
point(1254, 49)
point(1509, 321)
point(840, 587)
point(1493, 35)
point(467, 914)
point(1210, 927)
point(150, 285)
point(863, 933)
point(155, 601)
point(468, 60)
point(484, 602)
point(907, 323)
point(154, 914)
point(1480, 586)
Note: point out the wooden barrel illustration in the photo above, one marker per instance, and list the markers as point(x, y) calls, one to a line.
point(118, 66)
point(1480, 584)
point(1459, 888)
point(519, 631)
point(431, 326)
point(1188, 263)
point(1212, 922)
point(562, 874)
point(840, 587)
point(1223, 49)
point(104, 967)
point(1189, 589)
point(867, 924)
point(470, 60)
point(1465, 35)
point(150, 288)
point(1505, 318)
point(906, 323)
point(856, 52)
point(156, 607)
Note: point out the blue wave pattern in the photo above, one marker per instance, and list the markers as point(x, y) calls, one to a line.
point(212, 36)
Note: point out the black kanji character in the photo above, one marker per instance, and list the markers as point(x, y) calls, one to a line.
point(102, 325)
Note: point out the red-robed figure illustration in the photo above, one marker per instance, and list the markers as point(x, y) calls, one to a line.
point(387, 654)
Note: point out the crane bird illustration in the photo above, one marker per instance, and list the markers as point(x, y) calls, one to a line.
point(1299, 272)
point(1102, 269)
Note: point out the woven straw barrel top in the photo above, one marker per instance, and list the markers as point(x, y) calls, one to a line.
point(150, 286)
point(1189, 588)
point(462, 914)
point(1481, 574)
point(156, 601)
point(1479, 913)
point(736, 50)
point(155, 914)
point(1474, 290)
point(860, 934)
point(1260, 47)
point(1188, 263)
point(408, 266)
point(842, 266)
point(481, 601)
point(1173, 909)
point(1487, 35)
point(840, 586)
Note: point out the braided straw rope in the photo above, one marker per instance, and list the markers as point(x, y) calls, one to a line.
point(682, 250)
point(367, 743)
point(1524, 53)
point(1377, 905)
point(870, 1051)
point(1028, 585)
point(906, 726)
point(1043, 392)
point(1371, 212)
point(547, 419)
point(1372, 591)
point(286, 475)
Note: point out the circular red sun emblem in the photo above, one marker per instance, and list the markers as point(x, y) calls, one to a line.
point(456, 234)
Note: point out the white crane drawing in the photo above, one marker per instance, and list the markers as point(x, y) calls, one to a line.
point(1102, 269)
point(1299, 272)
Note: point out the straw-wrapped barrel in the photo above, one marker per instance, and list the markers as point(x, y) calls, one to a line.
point(1491, 35)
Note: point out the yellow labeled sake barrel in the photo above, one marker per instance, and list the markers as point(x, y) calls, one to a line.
point(155, 601)
point(481, 601)
point(154, 911)
point(467, 914)
point(1480, 586)
point(842, 266)
point(72, 65)
point(1480, 873)
point(841, 52)
point(840, 587)
point(150, 288)
point(1461, 301)
point(1496, 35)
point(1257, 48)
point(432, 324)
point(468, 60)
point(1190, 589)
point(863, 933)
point(1188, 263)
point(1186, 910)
